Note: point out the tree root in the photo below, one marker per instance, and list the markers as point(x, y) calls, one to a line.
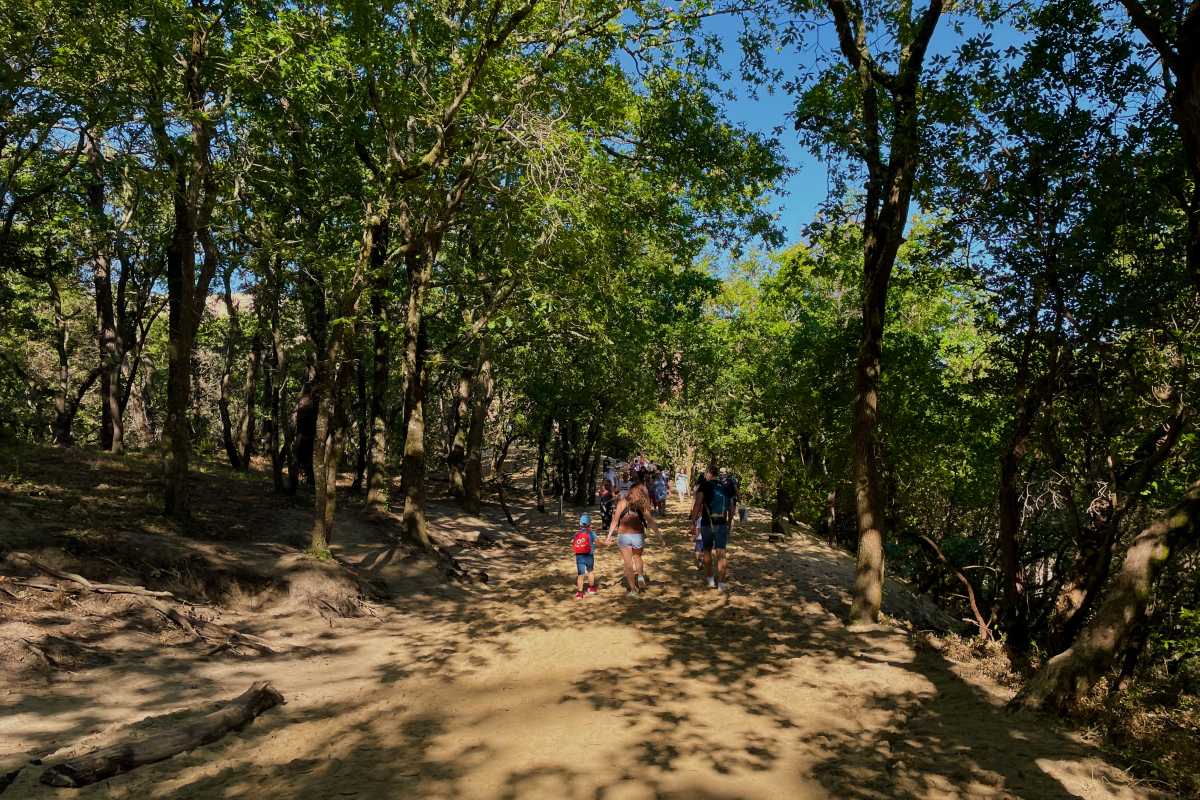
point(205, 630)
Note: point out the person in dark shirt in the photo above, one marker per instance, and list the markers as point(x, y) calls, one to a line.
point(714, 511)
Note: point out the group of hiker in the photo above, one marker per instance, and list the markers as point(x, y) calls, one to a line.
point(629, 502)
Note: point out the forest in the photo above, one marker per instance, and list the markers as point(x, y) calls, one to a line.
point(348, 274)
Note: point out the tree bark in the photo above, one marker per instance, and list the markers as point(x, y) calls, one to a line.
point(377, 473)
point(106, 762)
point(460, 425)
point(194, 195)
point(362, 403)
point(539, 475)
point(1078, 596)
point(107, 336)
point(419, 267)
point(232, 335)
point(1067, 678)
point(481, 401)
point(888, 193)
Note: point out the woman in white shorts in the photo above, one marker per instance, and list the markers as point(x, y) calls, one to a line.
point(633, 514)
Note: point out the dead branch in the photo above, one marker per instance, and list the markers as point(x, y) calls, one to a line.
point(114, 759)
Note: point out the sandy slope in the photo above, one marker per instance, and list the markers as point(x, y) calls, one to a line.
point(517, 690)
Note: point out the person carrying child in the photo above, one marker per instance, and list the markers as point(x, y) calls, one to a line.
point(584, 545)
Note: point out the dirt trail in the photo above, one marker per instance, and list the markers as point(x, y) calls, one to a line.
point(517, 690)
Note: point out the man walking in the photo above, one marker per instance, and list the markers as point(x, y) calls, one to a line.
point(712, 507)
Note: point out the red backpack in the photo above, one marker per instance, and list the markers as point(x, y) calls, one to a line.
point(582, 543)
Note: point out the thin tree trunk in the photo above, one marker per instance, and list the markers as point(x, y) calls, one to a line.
point(868, 579)
point(176, 430)
point(232, 336)
point(194, 196)
point(107, 337)
point(460, 416)
point(539, 476)
point(888, 192)
point(412, 473)
point(247, 422)
point(1067, 678)
point(419, 267)
point(363, 405)
point(481, 401)
point(381, 337)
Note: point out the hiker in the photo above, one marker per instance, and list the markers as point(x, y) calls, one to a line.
point(730, 485)
point(681, 485)
point(608, 501)
point(660, 493)
point(632, 516)
point(610, 472)
point(584, 546)
point(712, 508)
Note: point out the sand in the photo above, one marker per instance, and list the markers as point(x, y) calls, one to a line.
point(517, 690)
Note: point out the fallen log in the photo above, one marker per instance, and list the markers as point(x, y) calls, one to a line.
point(106, 762)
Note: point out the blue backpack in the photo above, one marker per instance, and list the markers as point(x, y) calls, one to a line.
point(718, 504)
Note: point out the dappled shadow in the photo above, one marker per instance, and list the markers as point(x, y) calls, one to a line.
point(514, 689)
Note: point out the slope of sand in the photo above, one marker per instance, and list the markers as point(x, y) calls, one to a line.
point(517, 690)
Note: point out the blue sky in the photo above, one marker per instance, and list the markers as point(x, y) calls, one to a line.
point(803, 191)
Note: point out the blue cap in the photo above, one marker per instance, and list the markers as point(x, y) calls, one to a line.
point(585, 519)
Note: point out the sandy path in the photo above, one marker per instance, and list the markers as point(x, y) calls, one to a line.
point(518, 690)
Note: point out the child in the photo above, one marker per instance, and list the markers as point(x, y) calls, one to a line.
point(584, 545)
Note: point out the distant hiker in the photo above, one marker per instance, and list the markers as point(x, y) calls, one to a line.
point(712, 508)
point(632, 516)
point(681, 485)
point(608, 501)
point(610, 472)
point(730, 485)
point(583, 543)
point(660, 493)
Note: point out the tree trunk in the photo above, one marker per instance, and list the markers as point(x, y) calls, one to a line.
point(381, 355)
point(194, 195)
point(362, 405)
point(783, 507)
point(539, 475)
point(1068, 677)
point(580, 496)
point(232, 336)
point(868, 579)
point(412, 473)
point(246, 423)
point(481, 401)
point(271, 393)
point(419, 267)
point(460, 425)
point(107, 337)
point(885, 214)
point(181, 256)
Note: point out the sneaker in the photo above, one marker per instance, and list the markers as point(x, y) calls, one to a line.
point(641, 581)
point(712, 582)
point(579, 595)
point(591, 590)
point(633, 593)
point(721, 587)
